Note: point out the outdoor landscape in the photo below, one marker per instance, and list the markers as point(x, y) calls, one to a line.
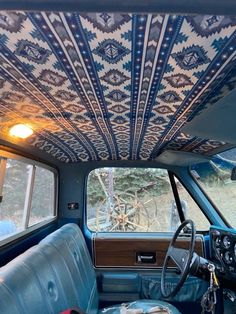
point(14, 196)
point(141, 199)
point(118, 199)
point(132, 199)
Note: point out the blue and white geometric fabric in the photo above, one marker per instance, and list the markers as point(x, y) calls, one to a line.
point(101, 86)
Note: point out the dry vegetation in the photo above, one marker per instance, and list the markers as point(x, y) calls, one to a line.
point(156, 214)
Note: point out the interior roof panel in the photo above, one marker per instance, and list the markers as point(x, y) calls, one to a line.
point(101, 86)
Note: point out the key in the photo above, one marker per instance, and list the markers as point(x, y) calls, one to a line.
point(213, 279)
point(209, 299)
point(214, 285)
point(211, 267)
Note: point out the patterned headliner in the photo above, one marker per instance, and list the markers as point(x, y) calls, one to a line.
point(113, 86)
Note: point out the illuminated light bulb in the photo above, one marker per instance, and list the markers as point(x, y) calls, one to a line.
point(21, 131)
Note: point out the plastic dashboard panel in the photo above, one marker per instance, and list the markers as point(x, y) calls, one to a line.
point(223, 251)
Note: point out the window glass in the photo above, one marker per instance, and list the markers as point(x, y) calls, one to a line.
point(27, 195)
point(215, 179)
point(43, 196)
point(128, 199)
point(14, 191)
point(191, 209)
point(132, 200)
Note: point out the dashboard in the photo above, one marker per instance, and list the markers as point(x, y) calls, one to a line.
point(223, 251)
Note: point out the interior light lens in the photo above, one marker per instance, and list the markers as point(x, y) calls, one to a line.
point(21, 131)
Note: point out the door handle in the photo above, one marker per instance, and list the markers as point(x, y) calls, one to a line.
point(146, 258)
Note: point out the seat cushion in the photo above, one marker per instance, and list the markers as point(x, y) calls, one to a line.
point(141, 307)
point(67, 245)
point(50, 277)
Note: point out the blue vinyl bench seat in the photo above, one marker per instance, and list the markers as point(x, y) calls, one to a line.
point(58, 274)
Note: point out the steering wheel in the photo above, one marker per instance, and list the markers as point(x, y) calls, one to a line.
point(182, 259)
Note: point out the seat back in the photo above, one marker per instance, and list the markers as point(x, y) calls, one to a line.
point(50, 277)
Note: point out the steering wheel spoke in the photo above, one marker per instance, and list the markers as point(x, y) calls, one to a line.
point(179, 257)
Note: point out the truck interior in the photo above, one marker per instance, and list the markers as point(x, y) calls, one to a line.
point(117, 157)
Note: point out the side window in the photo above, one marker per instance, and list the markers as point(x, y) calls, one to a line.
point(27, 195)
point(214, 177)
point(191, 209)
point(128, 200)
point(13, 197)
point(131, 200)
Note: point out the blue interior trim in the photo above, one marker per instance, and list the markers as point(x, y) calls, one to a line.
point(223, 228)
point(13, 249)
point(163, 6)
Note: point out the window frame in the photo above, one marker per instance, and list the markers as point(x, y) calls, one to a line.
point(29, 229)
point(209, 199)
point(85, 220)
point(195, 200)
point(170, 173)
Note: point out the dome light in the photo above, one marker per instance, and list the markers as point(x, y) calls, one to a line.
point(21, 131)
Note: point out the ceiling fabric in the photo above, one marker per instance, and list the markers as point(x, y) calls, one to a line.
point(113, 86)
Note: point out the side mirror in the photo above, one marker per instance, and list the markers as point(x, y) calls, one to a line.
point(233, 174)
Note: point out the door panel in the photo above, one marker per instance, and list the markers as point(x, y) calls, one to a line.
point(117, 286)
point(123, 277)
point(139, 251)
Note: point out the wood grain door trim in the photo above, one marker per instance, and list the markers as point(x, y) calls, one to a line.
point(121, 252)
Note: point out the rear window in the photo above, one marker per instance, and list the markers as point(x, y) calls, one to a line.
point(27, 194)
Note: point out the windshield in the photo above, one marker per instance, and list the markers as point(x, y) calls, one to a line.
point(215, 179)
